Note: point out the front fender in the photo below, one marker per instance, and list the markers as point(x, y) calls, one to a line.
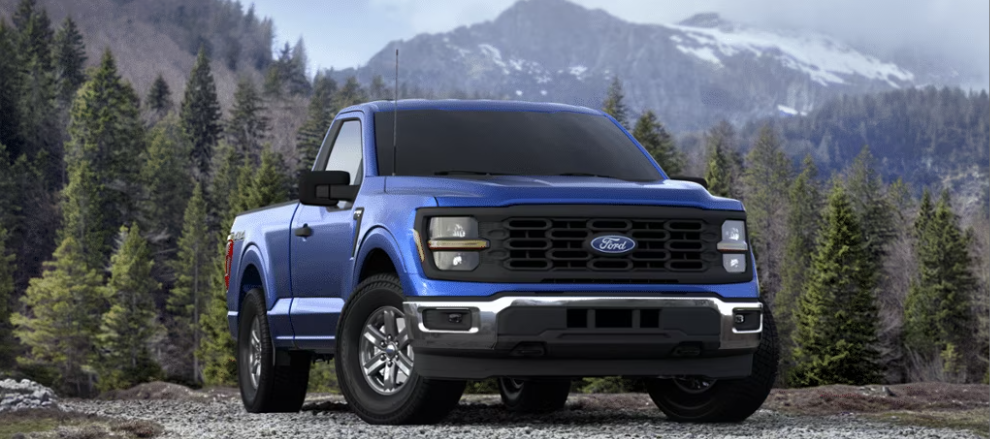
point(379, 238)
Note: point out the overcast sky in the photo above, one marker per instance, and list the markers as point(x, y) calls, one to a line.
point(346, 33)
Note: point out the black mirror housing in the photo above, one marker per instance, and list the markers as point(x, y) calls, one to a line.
point(325, 188)
point(699, 180)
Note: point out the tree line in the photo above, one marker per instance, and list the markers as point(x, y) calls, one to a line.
point(114, 206)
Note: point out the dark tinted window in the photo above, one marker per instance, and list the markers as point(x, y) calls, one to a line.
point(508, 142)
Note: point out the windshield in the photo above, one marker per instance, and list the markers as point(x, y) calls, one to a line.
point(438, 142)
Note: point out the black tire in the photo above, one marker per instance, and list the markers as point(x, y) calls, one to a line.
point(724, 400)
point(419, 400)
point(541, 396)
point(280, 389)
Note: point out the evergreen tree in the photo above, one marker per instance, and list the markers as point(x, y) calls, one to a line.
point(719, 172)
point(350, 94)
point(297, 78)
point(378, 90)
point(248, 125)
point(192, 268)
point(319, 117)
point(613, 104)
point(872, 206)
point(70, 60)
point(7, 342)
point(128, 327)
point(659, 143)
point(837, 317)
point(766, 178)
point(224, 185)
point(803, 223)
point(106, 138)
point(165, 175)
point(11, 81)
point(200, 115)
point(939, 323)
point(277, 75)
point(159, 98)
point(63, 316)
point(270, 185)
point(41, 131)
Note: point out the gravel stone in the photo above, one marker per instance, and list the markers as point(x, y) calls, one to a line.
point(25, 394)
point(483, 417)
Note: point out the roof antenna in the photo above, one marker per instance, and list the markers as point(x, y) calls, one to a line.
point(395, 117)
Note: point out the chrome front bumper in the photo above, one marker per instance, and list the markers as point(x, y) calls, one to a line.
point(483, 333)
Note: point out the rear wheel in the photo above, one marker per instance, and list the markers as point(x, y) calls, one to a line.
point(265, 386)
point(376, 366)
point(533, 396)
point(708, 400)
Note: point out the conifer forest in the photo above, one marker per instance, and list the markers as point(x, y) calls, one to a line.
point(115, 202)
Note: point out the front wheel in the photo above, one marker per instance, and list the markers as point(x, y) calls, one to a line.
point(376, 365)
point(533, 396)
point(707, 400)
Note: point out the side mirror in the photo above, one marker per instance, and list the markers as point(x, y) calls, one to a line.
point(699, 180)
point(325, 188)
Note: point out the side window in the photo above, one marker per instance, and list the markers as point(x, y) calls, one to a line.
point(346, 152)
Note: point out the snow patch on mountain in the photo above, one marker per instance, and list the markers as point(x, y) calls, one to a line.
point(822, 58)
point(495, 55)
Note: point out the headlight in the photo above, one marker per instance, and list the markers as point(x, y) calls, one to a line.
point(454, 242)
point(733, 240)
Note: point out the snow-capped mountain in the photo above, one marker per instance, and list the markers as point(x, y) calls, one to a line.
point(691, 73)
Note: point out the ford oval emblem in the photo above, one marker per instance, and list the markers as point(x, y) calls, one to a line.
point(612, 244)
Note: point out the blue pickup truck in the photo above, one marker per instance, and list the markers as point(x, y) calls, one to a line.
point(440, 242)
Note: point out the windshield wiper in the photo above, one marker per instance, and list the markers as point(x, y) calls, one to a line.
point(469, 173)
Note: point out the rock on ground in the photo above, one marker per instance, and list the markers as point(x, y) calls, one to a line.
point(25, 394)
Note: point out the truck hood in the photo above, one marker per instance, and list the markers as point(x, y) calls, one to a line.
point(491, 191)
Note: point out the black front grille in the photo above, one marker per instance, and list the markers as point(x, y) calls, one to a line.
point(560, 244)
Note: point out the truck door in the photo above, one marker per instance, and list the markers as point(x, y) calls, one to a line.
point(322, 249)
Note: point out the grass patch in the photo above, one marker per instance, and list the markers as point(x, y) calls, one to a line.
point(49, 423)
point(975, 420)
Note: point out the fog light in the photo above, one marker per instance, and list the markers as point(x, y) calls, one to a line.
point(447, 319)
point(456, 261)
point(734, 263)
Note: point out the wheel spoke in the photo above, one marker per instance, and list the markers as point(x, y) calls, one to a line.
point(373, 366)
point(390, 324)
point(403, 339)
point(404, 363)
point(373, 335)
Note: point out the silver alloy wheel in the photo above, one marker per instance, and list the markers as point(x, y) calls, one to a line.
point(694, 385)
point(254, 354)
point(386, 353)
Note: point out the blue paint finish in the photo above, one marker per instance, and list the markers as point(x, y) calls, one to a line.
point(308, 280)
point(278, 322)
point(315, 319)
point(417, 285)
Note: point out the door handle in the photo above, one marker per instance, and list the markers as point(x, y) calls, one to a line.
point(304, 231)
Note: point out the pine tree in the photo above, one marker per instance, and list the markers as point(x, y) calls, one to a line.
point(192, 268)
point(226, 164)
point(248, 124)
point(766, 179)
point(939, 323)
point(63, 314)
point(70, 60)
point(270, 185)
point(128, 327)
point(165, 175)
point(872, 206)
point(297, 78)
point(106, 139)
point(836, 319)
point(350, 94)
point(378, 90)
point(7, 342)
point(41, 130)
point(659, 143)
point(159, 98)
point(217, 347)
point(722, 161)
point(200, 115)
point(803, 223)
point(319, 117)
point(277, 75)
point(613, 104)
point(11, 83)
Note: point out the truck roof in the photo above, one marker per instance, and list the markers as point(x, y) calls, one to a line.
point(470, 105)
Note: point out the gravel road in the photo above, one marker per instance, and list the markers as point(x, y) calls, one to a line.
point(482, 417)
